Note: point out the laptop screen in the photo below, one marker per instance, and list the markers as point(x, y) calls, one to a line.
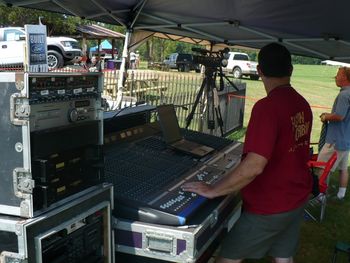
point(169, 123)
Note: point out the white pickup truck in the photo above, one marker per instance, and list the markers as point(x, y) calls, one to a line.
point(239, 65)
point(60, 50)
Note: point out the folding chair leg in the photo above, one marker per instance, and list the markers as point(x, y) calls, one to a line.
point(323, 207)
point(310, 215)
point(341, 247)
point(334, 259)
point(316, 208)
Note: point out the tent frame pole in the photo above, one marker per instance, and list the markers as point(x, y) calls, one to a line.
point(123, 71)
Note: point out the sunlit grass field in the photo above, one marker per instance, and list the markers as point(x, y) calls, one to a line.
point(316, 83)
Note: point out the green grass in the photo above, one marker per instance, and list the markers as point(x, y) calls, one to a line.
point(316, 84)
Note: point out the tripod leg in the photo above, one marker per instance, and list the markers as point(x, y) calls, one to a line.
point(218, 111)
point(211, 107)
point(199, 95)
point(231, 83)
point(219, 120)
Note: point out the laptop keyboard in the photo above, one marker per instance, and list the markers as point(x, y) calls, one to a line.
point(185, 145)
point(218, 143)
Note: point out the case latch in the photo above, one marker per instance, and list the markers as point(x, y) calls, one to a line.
point(214, 218)
point(159, 243)
point(10, 257)
point(22, 182)
point(19, 109)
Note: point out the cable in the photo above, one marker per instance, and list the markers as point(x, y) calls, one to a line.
point(125, 108)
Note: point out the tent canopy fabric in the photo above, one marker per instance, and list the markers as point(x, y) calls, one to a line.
point(315, 28)
point(105, 45)
point(98, 32)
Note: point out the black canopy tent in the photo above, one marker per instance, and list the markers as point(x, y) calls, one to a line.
point(316, 28)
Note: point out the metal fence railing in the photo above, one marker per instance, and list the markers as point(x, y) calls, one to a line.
point(11, 68)
point(155, 88)
point(151, 87)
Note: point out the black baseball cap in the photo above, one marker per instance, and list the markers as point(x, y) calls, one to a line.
point(275, 61)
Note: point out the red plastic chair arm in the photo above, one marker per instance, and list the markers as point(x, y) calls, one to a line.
point(316, 164)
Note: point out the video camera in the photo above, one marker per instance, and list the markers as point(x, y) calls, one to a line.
point(211, 59)
point(213, 62)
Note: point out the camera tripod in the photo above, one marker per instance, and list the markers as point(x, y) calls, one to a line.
point(213, 106)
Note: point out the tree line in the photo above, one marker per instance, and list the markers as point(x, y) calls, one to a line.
point(157, 49)
point(154, 49)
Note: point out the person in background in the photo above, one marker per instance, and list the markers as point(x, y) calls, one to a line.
point(137, 59)
point(338, 130)
point(273, 175)
point(132, 59)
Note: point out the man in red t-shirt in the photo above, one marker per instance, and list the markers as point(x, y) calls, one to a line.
point(273, 175)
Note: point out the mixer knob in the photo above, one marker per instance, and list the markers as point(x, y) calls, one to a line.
point(73, 115)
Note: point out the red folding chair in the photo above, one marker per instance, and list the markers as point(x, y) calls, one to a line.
point(317, 204)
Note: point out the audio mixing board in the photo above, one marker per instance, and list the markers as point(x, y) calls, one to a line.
point(147, 177)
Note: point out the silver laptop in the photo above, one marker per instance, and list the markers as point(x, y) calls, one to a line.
point(172, 133)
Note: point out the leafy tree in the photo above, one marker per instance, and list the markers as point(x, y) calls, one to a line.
point(305, 60)
point(154, 49)
point(253, 54)
point(57, 24)
point(157, 49)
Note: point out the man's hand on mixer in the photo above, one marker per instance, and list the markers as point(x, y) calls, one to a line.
point(200, 188)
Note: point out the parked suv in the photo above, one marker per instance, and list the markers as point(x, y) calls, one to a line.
point(182, 62)
point(60, 50)
point(170, 61)
point(239, 64)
